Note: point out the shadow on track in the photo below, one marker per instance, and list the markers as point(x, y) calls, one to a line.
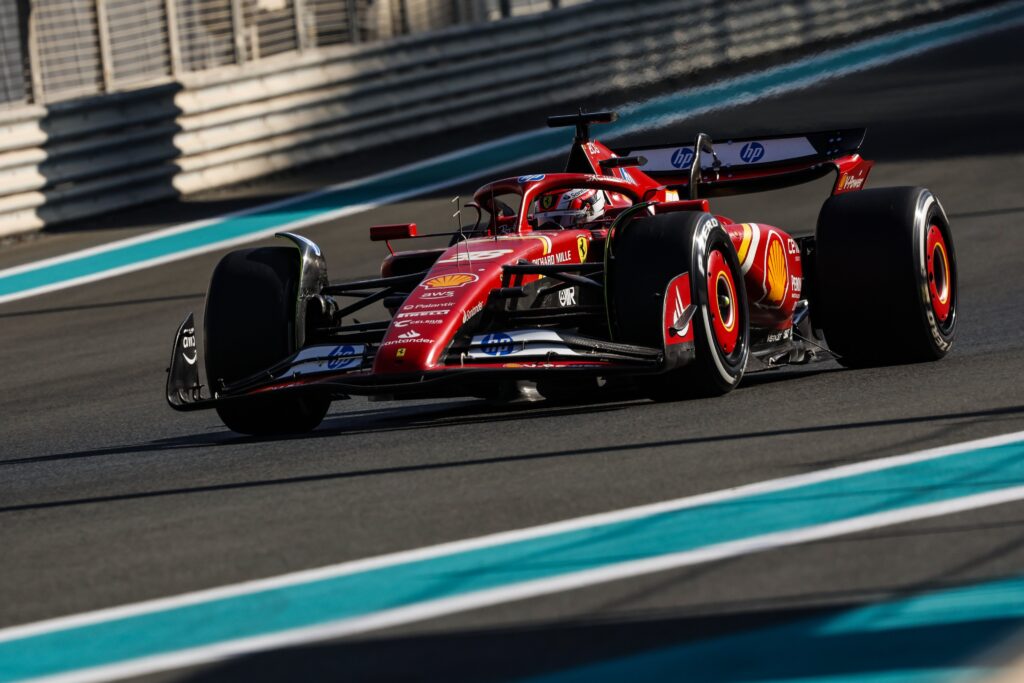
point(717, 643)
point(106, 304)
point(436, 417)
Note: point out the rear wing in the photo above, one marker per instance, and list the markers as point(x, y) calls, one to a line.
point(743, 165)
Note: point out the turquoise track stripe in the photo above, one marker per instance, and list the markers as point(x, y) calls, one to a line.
point(167, 245)
point(600, 545)
point(927, 638)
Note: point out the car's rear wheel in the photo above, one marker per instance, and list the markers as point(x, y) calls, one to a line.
point(249, 326)
point(886, 277)
point(647, 254)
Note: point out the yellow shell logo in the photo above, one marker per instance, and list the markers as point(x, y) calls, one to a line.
point(777, 273)
point(582, 245)
point(449, 281)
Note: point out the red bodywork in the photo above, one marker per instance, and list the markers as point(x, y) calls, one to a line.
point(462, 278)
point(432, 327)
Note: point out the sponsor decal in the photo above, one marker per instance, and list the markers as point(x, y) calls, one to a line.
point(793, 248)
point(592, 148)
point(469, 313)
point(582, 246)
point(482, 255)
point(523, 179)
point(440, 304)
point(449, 281)
point(529, 365)
point(567, 297)
point(542, 343)
point(796, 284)
point(438, 295)
point(420, 314)
point(342, 357)
point(417, 321)
point(396, 342)
point(497, 344)
point(671, 196)
point(849, 182)
point(550, 259)
point(411, 334)
point(400, 353)
point(752, 152)
point(283, 385)
point(677, 309)
point(779, 336)
point(573, 194)
point(682, 157)
point(776, 271)
point(627, 176)
point(314, 359)
point(188, 341)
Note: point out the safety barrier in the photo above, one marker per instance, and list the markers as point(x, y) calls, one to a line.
point(236, 122)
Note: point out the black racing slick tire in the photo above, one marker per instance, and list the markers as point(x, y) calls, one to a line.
point(886, 277)
point(249, 326)
point(646, 255)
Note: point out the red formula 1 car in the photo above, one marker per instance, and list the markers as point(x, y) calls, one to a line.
point(598, 274)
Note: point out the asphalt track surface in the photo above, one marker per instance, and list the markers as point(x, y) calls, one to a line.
point(108, 497)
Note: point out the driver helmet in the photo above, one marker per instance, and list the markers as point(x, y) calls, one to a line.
point(569, 208)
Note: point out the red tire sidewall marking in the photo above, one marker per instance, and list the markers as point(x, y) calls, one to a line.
point(941, 299)
point(726, 327)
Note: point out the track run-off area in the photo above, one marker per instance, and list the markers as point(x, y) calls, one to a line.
point(817, 524)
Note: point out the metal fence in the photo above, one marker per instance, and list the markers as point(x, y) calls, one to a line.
point(54, 50)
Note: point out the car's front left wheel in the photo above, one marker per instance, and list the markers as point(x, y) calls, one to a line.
point(249, 326)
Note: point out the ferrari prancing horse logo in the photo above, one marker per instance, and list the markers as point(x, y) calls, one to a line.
point(582, 245)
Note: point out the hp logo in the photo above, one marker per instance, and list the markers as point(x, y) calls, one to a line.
point(340, 357)
point(497, 344)
point(682, 157)
point(752, 152)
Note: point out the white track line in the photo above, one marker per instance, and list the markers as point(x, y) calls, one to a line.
point(501, 538)
point(521, 591)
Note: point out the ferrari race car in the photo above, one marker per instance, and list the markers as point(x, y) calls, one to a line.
point(601, 274)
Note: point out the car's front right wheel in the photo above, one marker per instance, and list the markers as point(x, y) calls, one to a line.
point(647, 254)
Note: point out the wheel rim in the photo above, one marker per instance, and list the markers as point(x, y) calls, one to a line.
point(940, 285)
point(723, 303)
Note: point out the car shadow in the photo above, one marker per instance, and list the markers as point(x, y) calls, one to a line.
point(429, 417)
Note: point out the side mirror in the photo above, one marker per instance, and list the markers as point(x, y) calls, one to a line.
point(396, 231)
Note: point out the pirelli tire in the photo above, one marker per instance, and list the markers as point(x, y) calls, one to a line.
point(646, 255)
point(249, 326)
point(886, 273)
